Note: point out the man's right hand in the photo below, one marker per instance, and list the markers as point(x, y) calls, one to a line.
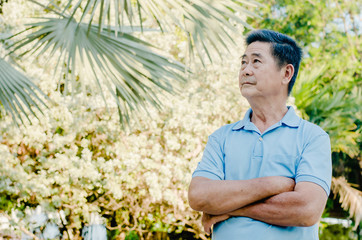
point(209, 220)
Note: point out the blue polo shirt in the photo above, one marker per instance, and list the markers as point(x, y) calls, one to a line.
point(293, 148)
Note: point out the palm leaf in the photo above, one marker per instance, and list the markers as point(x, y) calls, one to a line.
point(349, 197)
point(123, 64)
point(17, 93)
point(206, 23)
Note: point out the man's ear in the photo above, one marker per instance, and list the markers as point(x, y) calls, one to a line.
point(288, 72)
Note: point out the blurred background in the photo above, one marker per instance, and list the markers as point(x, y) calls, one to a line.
point(106, 106)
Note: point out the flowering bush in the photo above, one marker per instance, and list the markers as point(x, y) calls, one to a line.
point(76, 159)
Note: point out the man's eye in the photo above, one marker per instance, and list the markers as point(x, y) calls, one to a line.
point(256, 60)
point(243, 62)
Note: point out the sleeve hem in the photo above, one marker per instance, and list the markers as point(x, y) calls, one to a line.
point(206, 174)
point(309, 178)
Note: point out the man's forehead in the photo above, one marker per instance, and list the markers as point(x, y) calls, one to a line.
point(257, 49)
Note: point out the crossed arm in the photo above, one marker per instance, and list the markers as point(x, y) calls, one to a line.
point(274, 200)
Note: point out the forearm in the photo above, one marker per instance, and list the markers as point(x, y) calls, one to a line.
point(222, 196)
point(285, 209)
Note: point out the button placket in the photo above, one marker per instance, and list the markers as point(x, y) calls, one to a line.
point(258, 147)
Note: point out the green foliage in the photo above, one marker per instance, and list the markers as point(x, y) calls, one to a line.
point(332, 104)
point(6, 203)
point(324, 28)
point(132, 235)
point(336, 231)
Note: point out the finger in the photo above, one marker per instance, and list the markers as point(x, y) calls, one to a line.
point(207, 230)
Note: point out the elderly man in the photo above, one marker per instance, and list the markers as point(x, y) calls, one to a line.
point(267, 176)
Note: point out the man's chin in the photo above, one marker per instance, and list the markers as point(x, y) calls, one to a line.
point(246, 89)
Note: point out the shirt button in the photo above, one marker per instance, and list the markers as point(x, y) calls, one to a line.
point(260, 139)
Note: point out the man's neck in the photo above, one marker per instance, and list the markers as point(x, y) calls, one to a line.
point(266, 115)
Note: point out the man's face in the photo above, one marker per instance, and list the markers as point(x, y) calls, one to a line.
point(260, 75)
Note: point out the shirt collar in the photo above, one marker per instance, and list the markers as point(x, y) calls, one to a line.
point(244, 122)
point(290, 119)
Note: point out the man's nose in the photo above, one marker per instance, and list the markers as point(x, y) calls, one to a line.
point(247, 70)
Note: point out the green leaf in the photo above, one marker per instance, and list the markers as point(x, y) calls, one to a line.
point(18, 94)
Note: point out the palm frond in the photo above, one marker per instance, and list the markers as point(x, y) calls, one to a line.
point(18, 94)
point(206, 23)
point(124, 64)
point(349, 197)
point(121, 63)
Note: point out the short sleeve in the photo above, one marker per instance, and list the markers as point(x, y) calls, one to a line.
point(315, 163)
point(212, 163)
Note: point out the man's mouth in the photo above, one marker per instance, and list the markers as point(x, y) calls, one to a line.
point(249, 83)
